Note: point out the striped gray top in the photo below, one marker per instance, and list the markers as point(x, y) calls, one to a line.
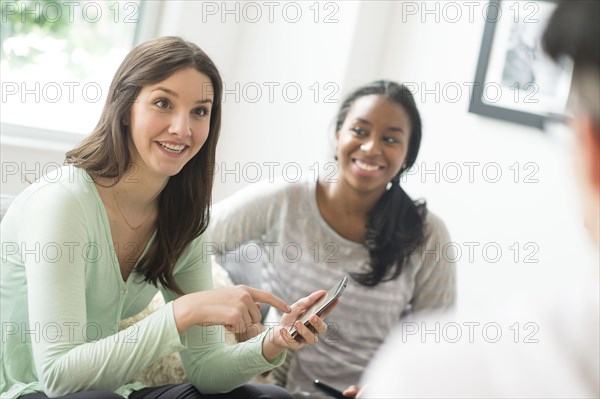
point(278, 227)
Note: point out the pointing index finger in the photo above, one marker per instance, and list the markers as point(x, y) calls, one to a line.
point(267, 297)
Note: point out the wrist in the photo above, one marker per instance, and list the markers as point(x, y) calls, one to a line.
point(270, 347)
point(182, 311)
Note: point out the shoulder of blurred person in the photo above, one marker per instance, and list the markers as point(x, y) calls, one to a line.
point(545, 344)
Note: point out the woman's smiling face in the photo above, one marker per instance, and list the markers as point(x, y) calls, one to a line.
point(170, 121)
point(372, 143)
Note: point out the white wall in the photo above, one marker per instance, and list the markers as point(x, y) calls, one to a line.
point(24, 161)
point(379, 39)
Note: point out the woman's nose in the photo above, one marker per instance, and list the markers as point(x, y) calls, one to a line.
point(180, 126)
point(370, 147)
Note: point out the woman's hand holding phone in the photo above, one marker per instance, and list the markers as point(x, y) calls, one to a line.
point(282, 339)
point(306, 334)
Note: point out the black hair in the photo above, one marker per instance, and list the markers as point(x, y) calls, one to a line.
point(395, 226)
point(573, 31)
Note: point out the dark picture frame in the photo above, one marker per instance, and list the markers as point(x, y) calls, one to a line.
point(515, 81)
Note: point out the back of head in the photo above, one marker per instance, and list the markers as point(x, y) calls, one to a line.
point(574, 31)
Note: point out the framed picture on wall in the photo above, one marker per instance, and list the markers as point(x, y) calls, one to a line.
point(515, 80)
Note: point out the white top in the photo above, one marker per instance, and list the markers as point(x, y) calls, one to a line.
point(532, 348)
point(301, 253)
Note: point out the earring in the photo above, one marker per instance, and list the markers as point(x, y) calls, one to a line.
point(389, 185)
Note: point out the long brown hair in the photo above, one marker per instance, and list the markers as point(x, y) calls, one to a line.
point(184, 203)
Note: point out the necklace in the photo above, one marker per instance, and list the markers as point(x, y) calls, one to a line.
point(123, 215)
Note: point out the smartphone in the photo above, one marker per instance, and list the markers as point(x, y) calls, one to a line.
point(329, 389)
point(322, 304)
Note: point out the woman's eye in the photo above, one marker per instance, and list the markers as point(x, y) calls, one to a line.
point(391, 140)
point(162, 103)
point(358, 131)
point(201, 111)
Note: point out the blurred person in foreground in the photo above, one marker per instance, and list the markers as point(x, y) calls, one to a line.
point(563, 358)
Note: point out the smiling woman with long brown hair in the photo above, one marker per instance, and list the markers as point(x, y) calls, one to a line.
point(91, 245)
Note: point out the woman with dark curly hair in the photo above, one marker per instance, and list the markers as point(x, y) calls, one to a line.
point(360, 223)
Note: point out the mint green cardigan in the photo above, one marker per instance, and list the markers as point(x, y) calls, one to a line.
point(62, 297)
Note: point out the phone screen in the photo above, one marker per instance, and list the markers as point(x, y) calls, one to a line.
point(322, 304)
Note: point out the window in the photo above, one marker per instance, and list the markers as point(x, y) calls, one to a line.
point(57, 61)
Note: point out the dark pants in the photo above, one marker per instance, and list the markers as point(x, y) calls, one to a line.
point(181, 391)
